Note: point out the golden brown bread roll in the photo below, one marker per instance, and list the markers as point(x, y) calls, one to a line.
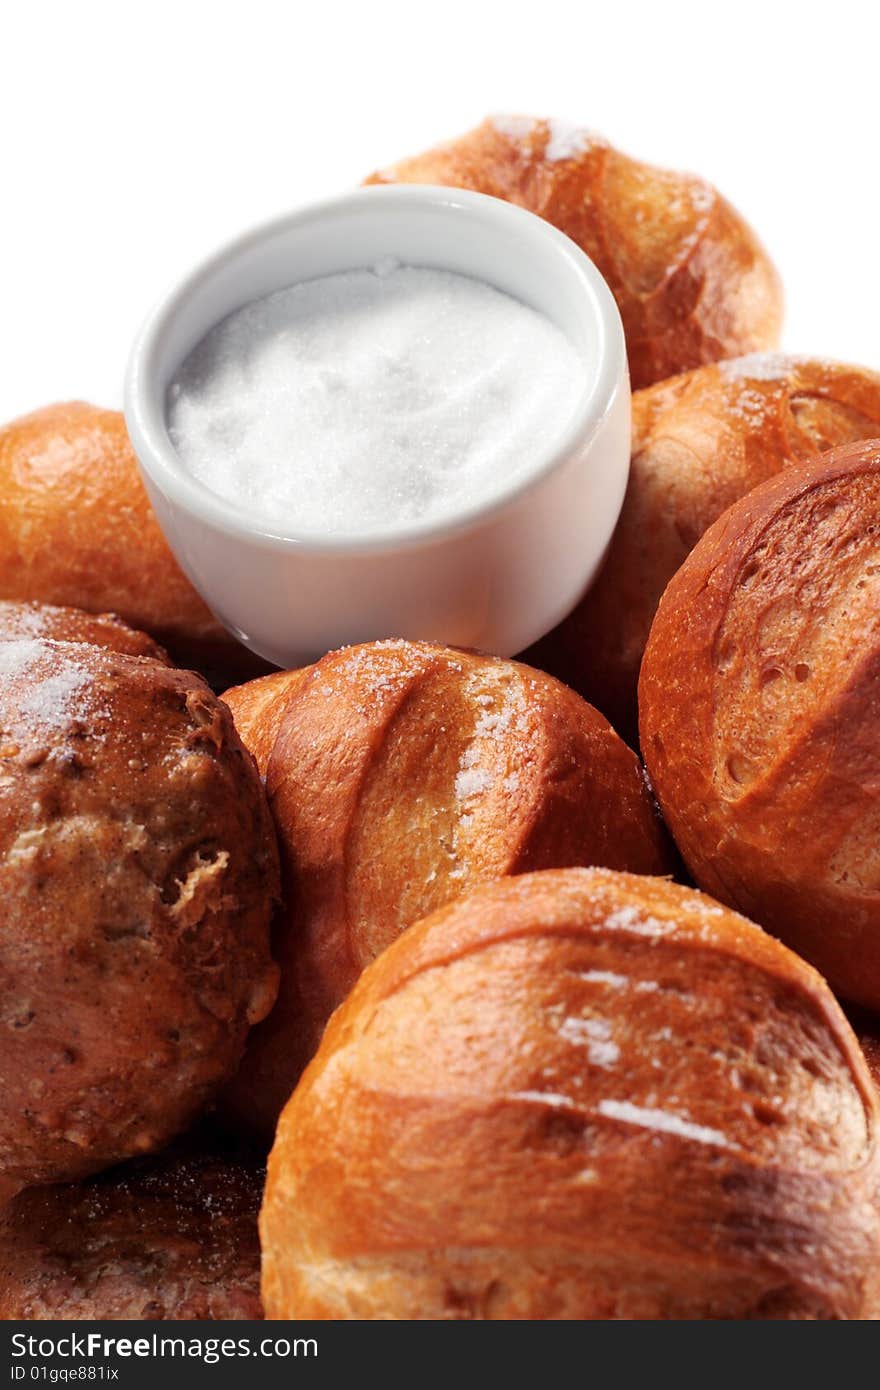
point(259, 709)
point(158, 1238)
point(578, 1094)
point(700, 442)
point(138, 875)
point(25, 620)
point(403, 775)
point(691, 280)
point(758, 708)
point(76, 528)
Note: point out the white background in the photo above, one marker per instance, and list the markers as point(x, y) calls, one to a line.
point(137, 137)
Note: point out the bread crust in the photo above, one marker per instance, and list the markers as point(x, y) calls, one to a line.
point(691, 280)
point(77, 528)
point(26, 620)
point(758, 700)
point(869, 1040)
point(138, 876)
point(402, 775)
point(700, 442)
point(259, 708)
point(572, 1094)
point(173, 1237)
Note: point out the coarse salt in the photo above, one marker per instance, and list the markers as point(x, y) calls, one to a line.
point(567, 141)
point(645, 1117)
point(352, 402)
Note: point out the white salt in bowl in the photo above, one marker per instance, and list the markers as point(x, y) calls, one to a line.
point(495, 576)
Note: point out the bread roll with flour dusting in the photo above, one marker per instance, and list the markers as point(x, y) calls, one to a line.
point(758, 706)
point(402, 775)
point(700, 442)
point(578, 1094)
point(138, 876)
point(43, 620)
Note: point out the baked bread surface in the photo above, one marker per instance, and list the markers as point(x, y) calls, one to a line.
point(138, 875)
point(77, 528)
point(700, 442)
point(578, 1094)
point(26, 620)
point(759, 698)
point(259, 708)
point(402, 775)
point(168, 1237)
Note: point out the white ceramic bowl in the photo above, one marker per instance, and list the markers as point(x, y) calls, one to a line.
point(494, 577)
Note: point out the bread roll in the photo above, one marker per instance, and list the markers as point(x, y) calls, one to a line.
point(700, 442)
point(691, 281)
point(138, 875)
point(27, 620)
point(759, 699)
point(76, 528)
point(403, 775)
point(578, 1094)
point(161, 1238)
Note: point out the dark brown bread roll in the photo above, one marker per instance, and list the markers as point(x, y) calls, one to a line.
point(159, 1238)
point(691, 280)
point(578, 1094)
point(402, 775)
point(700, 442)
point(76, 527)
point(759, 700)
point(138, 875)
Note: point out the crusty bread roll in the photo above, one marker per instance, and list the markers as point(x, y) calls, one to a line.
point(76, 528)
point(578, 1094)
point(27, 620)
point(259, 708)
point(403, 775)
point(158, 1238)
point(758, 704)
point(138, 875)
point(700, 442)
point(691, 280)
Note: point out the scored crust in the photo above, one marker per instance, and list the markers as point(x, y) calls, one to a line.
point(578, 1094)
point(402, 775)
point(758, 705)
point(700, 442)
